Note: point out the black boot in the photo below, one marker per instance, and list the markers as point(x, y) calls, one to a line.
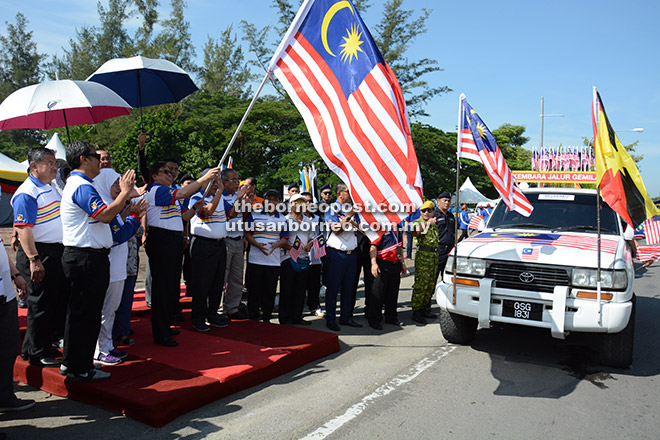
point(418, 317)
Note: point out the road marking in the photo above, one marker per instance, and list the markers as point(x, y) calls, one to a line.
point(381, 391)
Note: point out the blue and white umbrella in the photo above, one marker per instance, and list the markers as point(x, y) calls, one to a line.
point(143, 82)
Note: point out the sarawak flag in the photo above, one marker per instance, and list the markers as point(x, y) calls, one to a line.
point(353, 108)
point(618, 178)
point(491, 156)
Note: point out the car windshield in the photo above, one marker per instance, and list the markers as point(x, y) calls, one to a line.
point(558, 212)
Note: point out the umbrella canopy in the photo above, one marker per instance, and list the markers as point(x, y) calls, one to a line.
point(145, 81)
point(61, 103)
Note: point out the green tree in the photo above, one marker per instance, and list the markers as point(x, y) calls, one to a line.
point(21, 65)
point(630, 148)
point(143, 39)
point(174, 41)
point(224, 67)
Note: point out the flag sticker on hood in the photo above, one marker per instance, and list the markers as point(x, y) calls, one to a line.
point(530, 254)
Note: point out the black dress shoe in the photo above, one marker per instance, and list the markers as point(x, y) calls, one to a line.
point(169, 342)
point(174, 331)
point(428, 314)
point(302, 322)
point(418, 317)
point(332, 326)
point(394, 322)
point(376, 326)
point(351, 323)
point(45, 362)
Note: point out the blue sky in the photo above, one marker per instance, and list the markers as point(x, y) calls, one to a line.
point(504, 55)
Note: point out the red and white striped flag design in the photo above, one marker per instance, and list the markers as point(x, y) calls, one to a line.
point(647, 252)
point(490, 155)
point(467, 149)
point(475, 221)
point(353, 108)
point(652, 230)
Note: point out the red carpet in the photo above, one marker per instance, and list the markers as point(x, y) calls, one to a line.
point(156, 384)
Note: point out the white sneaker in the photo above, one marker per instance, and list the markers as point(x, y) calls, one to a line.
point(319, 313)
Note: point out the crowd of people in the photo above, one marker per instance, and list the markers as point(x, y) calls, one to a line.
point(78, 226)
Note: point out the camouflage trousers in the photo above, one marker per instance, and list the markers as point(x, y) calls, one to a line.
point(426, 264)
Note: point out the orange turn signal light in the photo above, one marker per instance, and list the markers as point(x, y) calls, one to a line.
point(465, 281)
point(594, 295)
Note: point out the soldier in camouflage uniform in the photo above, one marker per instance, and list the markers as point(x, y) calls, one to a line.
point(425, 230)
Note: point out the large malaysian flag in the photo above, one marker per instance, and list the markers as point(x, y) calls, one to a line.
point(353, 107)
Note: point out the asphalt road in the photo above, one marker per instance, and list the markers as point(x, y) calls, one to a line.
point(512, 383)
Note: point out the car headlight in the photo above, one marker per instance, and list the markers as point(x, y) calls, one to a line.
point(609, 279)
point(467, 266)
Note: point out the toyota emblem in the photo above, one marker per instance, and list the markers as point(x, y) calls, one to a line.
point(526, 277)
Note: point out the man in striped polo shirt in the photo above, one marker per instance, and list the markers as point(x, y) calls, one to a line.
point(37, 222)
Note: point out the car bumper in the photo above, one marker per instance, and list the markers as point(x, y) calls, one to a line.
point(561, 313)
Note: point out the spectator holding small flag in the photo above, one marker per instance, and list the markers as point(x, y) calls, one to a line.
point(315, 255)
point(295, 264)
point(463, 222)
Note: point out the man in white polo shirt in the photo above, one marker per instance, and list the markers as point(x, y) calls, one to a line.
point(87, 240)
point(235, 244)
point(208, 254)
point(36, 205)
point(341, 259)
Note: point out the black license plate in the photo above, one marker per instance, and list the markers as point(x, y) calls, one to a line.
point(522, 310)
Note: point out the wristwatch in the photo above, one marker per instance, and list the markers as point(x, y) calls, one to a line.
point(35, 258)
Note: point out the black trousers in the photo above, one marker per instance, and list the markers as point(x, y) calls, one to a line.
point(262, 287)
point(385, 292)
point(364, 265)
point(165, 250)
point(208, 261)
point(88, 272)
point(47, 302)
point(292, 293)
point(9, 345)
point(314, 286)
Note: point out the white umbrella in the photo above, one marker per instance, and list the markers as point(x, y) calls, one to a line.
point(61, 103)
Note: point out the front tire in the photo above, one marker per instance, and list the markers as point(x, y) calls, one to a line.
point(457, 329)
point(616, 349)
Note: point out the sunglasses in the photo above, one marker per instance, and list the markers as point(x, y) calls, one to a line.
point(96, 155)
point(326, 193)
point(427, 210)
point(167, 171)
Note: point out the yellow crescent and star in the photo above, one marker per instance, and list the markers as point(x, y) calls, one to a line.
point(352, 41)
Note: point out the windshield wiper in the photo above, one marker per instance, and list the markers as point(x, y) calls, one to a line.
point(522, 225)
point(585, 227)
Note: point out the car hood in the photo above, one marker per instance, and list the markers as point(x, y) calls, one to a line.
point(575, 249)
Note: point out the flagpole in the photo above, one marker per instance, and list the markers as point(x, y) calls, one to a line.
point(458, 173)
point(598, 286)
point(238, 130)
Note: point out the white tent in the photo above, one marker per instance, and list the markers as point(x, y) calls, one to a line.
point(54, 144)
point(12, 174)
point(470, 194)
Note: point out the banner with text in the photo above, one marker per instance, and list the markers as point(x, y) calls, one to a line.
point(555, 176)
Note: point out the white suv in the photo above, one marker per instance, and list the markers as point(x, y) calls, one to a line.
point(540, 271)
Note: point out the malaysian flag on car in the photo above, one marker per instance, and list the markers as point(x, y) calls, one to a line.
point(475, 221)
point(530, 254)
point(353, 107)
point(491, 156)
point(652, 230)
point(647, 252)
